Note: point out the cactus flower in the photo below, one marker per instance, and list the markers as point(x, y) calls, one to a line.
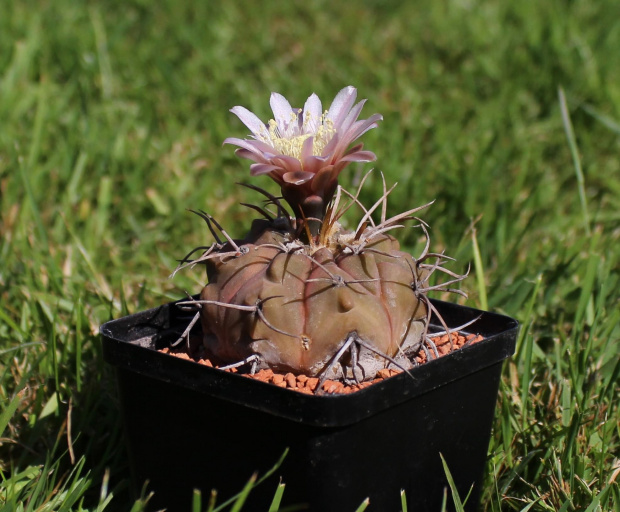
point(304, 150)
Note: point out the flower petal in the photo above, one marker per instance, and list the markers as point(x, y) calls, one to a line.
point(359, 156)
point(352, 116)
point(256, 146)
point(313, 110)
point(258, 169)
point(328, 150)
point(306, 149)
point(251, 120)
point(323, 179)
point(282, 112)
point(297, 177)
point(341, 105)
point(314, 164)
point(359, 128)
point(250, 155)
point(286, 162)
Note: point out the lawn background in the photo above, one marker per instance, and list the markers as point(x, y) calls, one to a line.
point(112, 117)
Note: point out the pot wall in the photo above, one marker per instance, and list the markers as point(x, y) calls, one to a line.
point(213, 430)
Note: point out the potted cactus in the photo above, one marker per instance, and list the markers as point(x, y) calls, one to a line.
point(303, 296)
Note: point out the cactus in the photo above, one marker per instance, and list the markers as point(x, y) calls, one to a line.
point(300, 293)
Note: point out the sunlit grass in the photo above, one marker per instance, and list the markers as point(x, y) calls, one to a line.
point(112, 118)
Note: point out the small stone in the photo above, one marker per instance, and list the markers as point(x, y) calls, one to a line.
point(327, 384)
point(384, 373)
point(263, 376)
point(312, 383)
point(332, 386)
point(290, 380)
point(278, 379)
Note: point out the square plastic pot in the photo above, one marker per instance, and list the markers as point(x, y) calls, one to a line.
point(190, 426)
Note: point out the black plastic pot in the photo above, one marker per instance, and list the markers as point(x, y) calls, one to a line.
point(189, 426)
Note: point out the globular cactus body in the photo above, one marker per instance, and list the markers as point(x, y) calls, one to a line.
point(311, 299)
point(300, 293)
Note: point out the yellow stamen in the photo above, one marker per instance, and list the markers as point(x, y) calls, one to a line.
point(292, 145)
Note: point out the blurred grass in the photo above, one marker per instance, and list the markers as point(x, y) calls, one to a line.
point(112, 116)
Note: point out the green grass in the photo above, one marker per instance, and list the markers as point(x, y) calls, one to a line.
point(112, 116)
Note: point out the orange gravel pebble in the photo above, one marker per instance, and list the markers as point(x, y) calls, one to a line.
point(263, 375)
point(312, 383)
point(329, 386)
point(335, 388)
point(384, 373)
point(291, 380)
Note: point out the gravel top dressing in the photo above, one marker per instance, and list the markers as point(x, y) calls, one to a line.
point(304, 384)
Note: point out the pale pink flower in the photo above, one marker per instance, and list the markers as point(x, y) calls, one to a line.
point(304, 150)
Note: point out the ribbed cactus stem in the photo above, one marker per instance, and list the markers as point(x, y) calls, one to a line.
point(343, 304)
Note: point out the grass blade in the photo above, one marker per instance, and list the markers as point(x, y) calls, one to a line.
point(607, 121)
point(403, 500)
point(480, 277)
point(9, 410)
point(572, 143)
point(458, 504)
point(252, 483)
point(526, 320)
point(363, 506)
point(243, 495)
point(277, 498)
point(197, 501)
